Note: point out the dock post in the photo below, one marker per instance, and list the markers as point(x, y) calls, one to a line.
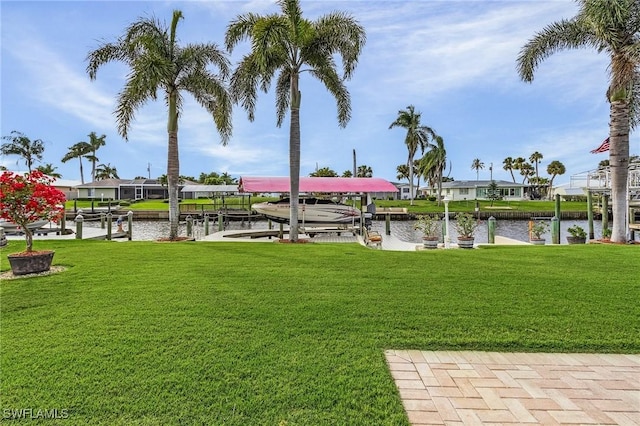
point(189, 226)
point(555, 230)
point(559, 217)
point(387, 224)
point(79, 219)
point(281, 233)
point(491, 226)
point(605, 212)
point(63, 222)
point(206, 225)
point(109, 218)
point(102, 220)
point(220, 222)
point(590, 214)
point(129, 224)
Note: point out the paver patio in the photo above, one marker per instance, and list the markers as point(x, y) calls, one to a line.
point(446, 387)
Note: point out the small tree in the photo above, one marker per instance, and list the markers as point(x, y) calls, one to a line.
point(493, 192)
point(29, 198)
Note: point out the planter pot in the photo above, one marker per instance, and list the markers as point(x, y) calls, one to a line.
point(537, 241)
point(576, 240)
point(465, 243)
point(430, 243)
point(30, 263)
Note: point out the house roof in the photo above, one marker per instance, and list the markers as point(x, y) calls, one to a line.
point(316, 184)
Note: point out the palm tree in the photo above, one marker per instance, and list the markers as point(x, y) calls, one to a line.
point(323, 172)
point(283, 44)
point(24, 147)
point(527, 171)
point(508, 164)
point(364, 171)
point(434, 162)
point(105, 171)
point(347, 174)
point(49, 170)
point(157, 62)
point(554, 168)
point(78, 151)
point(403, 171)
point(417, 137)
point(477, 165)
point(611, 27)
point(535, 159)
point(95, 143)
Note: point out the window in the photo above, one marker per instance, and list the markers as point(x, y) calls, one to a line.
point(464, 191)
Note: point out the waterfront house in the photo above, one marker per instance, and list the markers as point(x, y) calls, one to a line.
point(478, 190)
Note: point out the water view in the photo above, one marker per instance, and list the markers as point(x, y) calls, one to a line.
point(146, 230)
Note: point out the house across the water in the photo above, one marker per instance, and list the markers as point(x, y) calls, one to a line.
point(479, 190)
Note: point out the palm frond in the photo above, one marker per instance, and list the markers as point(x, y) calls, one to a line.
point(283, 95)
point(555, 37)
point(211, 93)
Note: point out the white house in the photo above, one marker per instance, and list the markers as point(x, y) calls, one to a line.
point(478, 189)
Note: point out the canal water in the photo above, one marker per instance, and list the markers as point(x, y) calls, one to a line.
point(402, 229)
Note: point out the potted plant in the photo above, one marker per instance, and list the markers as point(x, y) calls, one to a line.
point(465, 225)
point(536, 231)
point(430, 227)
point(25, 199)
point(578, 235)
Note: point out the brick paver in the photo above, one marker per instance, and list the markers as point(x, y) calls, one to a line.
point(443, 387)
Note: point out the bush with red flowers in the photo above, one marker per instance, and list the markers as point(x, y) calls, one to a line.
point(28, 198)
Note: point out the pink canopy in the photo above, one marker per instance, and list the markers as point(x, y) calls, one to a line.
point(316, 184)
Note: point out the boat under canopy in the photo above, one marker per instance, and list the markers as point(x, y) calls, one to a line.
point(310, 210)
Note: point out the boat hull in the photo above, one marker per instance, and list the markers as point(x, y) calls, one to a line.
point(10, 227)
point(309, 211)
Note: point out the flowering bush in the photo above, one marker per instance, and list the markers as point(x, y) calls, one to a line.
point(29, 198)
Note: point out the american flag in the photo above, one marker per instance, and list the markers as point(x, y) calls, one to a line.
point(604, 147)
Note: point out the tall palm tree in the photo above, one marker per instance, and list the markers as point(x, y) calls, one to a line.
point(508, 165)
point(554, 168)
point(535, 158)
point(78, 151)
point(49, 170)
point(24, 147)
point(157, 62)
point(417, 136)
point(95, 143)
point(611, 27)
point(434, 162)
point(287, 44)
point(105, 171)
point(477, 165)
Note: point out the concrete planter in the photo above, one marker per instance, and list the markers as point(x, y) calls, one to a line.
point(30, 262)
point(537, 241)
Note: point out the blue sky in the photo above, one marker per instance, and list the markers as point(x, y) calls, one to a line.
point(454, 60)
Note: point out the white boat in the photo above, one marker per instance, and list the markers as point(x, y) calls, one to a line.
point(12, 228)
point(310, 210)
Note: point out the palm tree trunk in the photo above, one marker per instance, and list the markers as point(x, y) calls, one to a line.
point(81, 172)
point(173, 167)
point(619, 163)
point(411, 180)
point(294, 159)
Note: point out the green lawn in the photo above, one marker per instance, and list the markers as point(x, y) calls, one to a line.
point(281, 334)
